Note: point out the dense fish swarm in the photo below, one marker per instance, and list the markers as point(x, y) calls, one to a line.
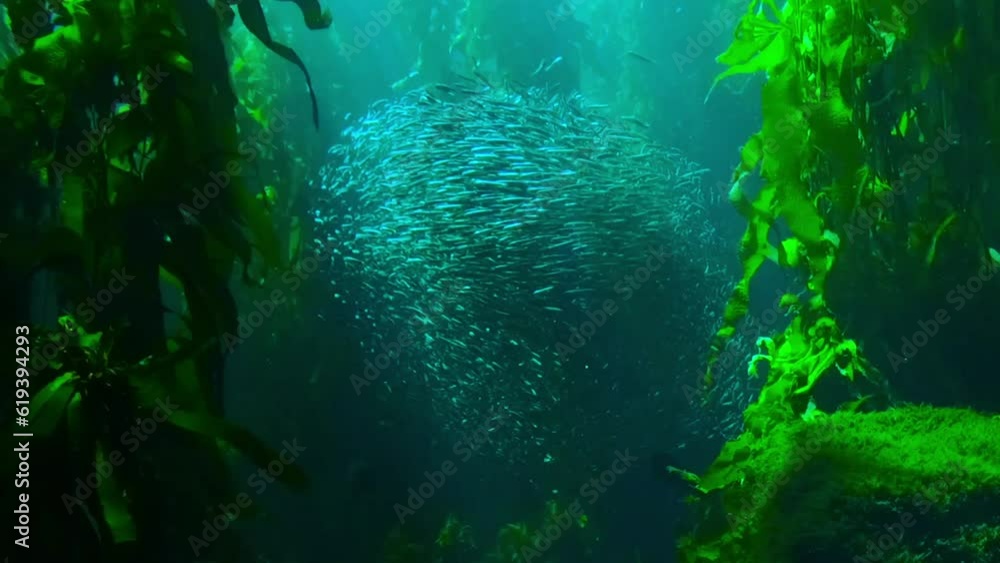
point(477, 227)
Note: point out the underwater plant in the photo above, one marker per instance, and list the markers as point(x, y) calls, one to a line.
point(455, 533)
point(123, 169)
point(853, 88)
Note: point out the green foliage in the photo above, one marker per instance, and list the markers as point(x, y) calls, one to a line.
point(454, 533)
point(894, 454)
point(823, 153)
point(252, 15)
point(512, 541)
point(983, 540)
point(516, 542)
point(804, 49)
point(127, 114)
point(90, 385)
point(796, 361)
point(816, 150)
point(811, 150)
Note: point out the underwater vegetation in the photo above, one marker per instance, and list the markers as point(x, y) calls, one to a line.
point(486, 225)
point(126, 207)
point(515, 542)
point(830, 486)
point(847, 189)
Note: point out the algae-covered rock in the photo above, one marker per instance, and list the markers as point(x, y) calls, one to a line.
point(905, 485)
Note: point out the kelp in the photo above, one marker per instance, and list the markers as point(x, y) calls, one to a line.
point(807, 126)
point(812, 150)
point(516, 542)
point(91, 383)
point(832, 158)
point(252, 15)
point(123, 112)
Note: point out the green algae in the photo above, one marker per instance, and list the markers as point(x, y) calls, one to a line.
point(782, 489)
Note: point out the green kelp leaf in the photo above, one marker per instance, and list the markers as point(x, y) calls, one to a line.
point(788, 300)
point(815, 366)
point(800, 214)
point(90, 340)
point(848, 350)
point(294, 241)
point(751, 155)
point(210, 304)
point(172, 281)
point(184, 351)
point(739, 303)
point(855, 405)
point(753, 34)
point(932, 251)
point(259, 222)
point(175, 381)
point(49, 405)
point(785, 130)
point(128, 134)
point(180, 62)
point(225, 11)
point(836, 58)
point(755, 249)
point(728, 466)
point(994, 255)
point(904, 124)
point(686, 476)
point(243, 440)
point(122, 185)
point(31, 78)
point(114, 503)
point(833, 130)
point(74, 197)
point(58, 52)
point(252, 15)
point(79, 428)
point(315, 16)
point(773, 55)
point(811, 410)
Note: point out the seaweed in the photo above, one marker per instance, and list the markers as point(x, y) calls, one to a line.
point(838, 174)
point(122, 117)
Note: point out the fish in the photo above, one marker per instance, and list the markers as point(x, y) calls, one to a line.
point(476, 224)
point(636, 121)
point(665, 470)
point(404, 82)
point(268, 197)
point(640, 57)
point(543, 68)
point(482, 78)
point(554, 62)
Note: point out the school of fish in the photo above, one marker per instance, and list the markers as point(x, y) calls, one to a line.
point(477, 226)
